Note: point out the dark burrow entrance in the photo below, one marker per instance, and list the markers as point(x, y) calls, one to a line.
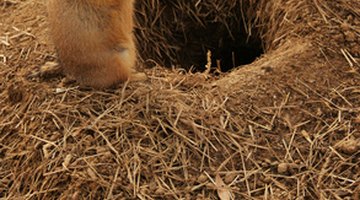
point(180, 33)
point(228, 50)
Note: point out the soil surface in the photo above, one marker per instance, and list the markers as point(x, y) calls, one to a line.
point(286, 126)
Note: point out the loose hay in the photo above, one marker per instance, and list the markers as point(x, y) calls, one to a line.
point(278, 128)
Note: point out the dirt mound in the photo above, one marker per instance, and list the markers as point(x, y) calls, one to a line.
point(285, 126)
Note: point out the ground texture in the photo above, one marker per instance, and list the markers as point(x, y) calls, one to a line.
point(286, 126)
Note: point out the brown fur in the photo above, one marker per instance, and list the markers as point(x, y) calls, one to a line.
point(94, 39)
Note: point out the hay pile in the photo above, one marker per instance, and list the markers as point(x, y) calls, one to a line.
point(286, 126)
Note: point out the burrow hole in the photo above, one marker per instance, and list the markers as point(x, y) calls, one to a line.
point(229, 50)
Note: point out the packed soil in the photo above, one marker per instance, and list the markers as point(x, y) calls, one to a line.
point(286, 126)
